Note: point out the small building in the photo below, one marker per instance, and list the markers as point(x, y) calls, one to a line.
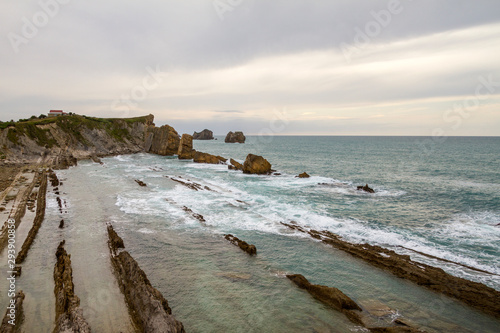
point(55, 113)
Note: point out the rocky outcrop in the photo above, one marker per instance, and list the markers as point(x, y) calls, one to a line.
point(197, 216)
point(200, 157)
point(255, 164)
point(186, 151)
point(190, 184)
point(472, 293)
point(248, 248)
point(141, 183)
point(203, 135)
point(162, 140)
point(148, 308)
point(365, 188)
point(13, 318)
point(331, 297)
point(235, 165)
point(303, 175)
point(69, 315)
point(236, 137)
point(37, 223)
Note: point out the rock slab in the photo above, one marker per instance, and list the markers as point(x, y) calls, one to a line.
point(255, 164)
point(186, 151)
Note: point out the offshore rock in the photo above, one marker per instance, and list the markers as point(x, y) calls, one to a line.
point(200, 157)
point(255, 164)
point(69, 315)
point(235, 165)
point(303, 175)
point(236, 137)
point(141, 183)
point(203, 135)
point(186, 151)
point(162, 140)
point(365, 188)
point(248, 248)
point(147, 307)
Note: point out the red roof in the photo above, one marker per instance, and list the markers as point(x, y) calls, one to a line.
point(53, 111)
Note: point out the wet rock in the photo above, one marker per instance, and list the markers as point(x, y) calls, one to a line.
point(235, 165)
point(69, 315)
point(61, 224)
point(96, 159)
point(148, 308)
point(303, 175)
point(248, 248)
point(7, 322)
point(203, 135)
point(200, 157)
point(191, 185)
point(395, 329)
point(255, 164)
point(236, 137)
point(186, 151)
point(115, 242)
point(329, 296)
point(197, 216)
point(141, 183)
point(162, 140)
point(365, 188)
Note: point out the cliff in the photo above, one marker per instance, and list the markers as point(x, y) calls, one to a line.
point(47, 140)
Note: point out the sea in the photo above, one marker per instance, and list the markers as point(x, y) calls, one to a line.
point(433, 199)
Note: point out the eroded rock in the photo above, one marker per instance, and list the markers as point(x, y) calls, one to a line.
point(236, 137)
point(203, 135)
point(200, 157)
point(255, 164)
point(162, 140)
point(303, 175)
point(186, 151)
point(248, 248)
point(365, 188)
point(235, 165)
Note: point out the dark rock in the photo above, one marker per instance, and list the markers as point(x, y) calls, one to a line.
point(96, 159)
point(186, 151)
point(6, 327)
point(236, 137)
point(162, 140)
point(197, 216)
point(69, 315)
point(115, 242)
point(141, 183)
point(255, 164)
point(191, 185)
point(248, 248)
point(148, 308)
point(277, 174)
point(235, 165)
point(303, 175)
point(203, 135)
point(365, 188)
point(200, 157)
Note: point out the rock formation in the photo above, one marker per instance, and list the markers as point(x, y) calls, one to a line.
point(69, 315)
point(203, 135)
point(141, 183)
point(248, 248)
point(236, 137)
point(147, 307)
point(235, 165)
point(162, 140)
point(365, 188)
point(200, 157)
point(303, 175)
point(186, 151)
point(255, 164)
point(18, 315)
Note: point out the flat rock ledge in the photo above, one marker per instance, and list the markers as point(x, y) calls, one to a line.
point(148, 308)
point(69, 315)
point(248, 248)
point(474, 294)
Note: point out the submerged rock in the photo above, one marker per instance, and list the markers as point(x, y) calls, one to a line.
point(186, 151)
point(236, 137)
point(248, 248)
point(141, 183)
point(200, 157)
point(365, 188)
point(303, 175)
point(255, 164)
point(203, 135)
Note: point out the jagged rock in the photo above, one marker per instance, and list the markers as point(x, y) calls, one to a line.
point(162, 140)
point(197, 216)
point(235, 165)
point(15, 316)
point(255, 164)
point(186, 151)
point(236, 137)
point(223, 159)
point(303, 175)
point(96, 159)
point(61, 224)
point(200, 157)
point(148, 308)
point(203, 135)
point(141, 183)
point(248, 248)
point(69, 315)
point(365, 188)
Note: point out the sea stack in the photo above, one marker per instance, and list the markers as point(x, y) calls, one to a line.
point(186, 151)
point(236, 137)
point(203, 135)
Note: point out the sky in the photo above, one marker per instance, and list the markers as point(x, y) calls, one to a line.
point(268, 67)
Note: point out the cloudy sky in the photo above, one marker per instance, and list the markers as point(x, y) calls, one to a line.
point(323, 67)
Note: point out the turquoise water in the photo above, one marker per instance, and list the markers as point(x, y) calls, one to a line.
point(444, 202)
